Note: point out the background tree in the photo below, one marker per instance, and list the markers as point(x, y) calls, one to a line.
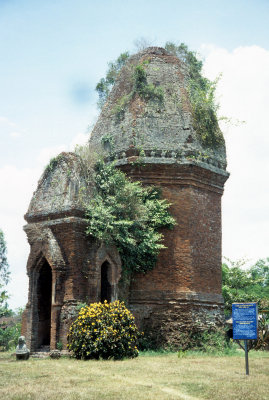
point(260, 271)
point(241, 284)
point(10, 321)
point(4, 276)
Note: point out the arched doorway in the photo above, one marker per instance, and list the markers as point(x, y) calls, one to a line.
point(44, 286)
point(105, 284)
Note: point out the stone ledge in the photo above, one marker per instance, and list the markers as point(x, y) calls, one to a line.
point(139, 297)
point(52, 222)
point(68, 213)
point(216, 167)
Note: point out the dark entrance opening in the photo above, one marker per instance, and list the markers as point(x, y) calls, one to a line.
point(105, 285)
point(44, 286)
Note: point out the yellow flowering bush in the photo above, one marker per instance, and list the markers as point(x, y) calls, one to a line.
point(104, 330)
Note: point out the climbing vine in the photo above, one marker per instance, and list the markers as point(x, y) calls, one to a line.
point(128, 215)
point(202, 96)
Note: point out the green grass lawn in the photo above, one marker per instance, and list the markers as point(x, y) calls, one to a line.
point(150, 376)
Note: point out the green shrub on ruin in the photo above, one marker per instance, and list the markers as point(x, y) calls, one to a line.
point(104, 330)
point(105, 85)
point(213, 340)
point(145, 90)
point(129, 216)
point(141, 87)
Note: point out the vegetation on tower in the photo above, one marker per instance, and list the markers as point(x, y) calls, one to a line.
point(127, 215)
point(201, 92)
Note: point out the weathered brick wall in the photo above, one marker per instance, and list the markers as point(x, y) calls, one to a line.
point(75, 261)
point(63, 245)
point(185, 286)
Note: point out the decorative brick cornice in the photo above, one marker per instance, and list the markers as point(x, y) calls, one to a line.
point(188, 174)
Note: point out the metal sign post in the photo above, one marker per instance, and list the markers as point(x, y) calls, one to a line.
point(246, 356)
point(245, 324)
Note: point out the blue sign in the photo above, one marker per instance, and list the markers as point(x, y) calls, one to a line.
point(245, 321)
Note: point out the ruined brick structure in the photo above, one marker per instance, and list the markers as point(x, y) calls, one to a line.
point(154, 142)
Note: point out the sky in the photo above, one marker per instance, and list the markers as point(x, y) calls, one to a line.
point(53, 53)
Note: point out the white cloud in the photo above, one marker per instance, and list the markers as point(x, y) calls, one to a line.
point(15, 134)
point(17, 188)
point(6, 121)
point(243, 93)
point(47, 153)
point(11, 128)
point(80, 139)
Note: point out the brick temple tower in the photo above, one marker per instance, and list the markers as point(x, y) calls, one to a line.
point(185, 286)
point(153, 139)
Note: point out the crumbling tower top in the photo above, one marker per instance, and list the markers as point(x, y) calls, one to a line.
point(149, 113)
